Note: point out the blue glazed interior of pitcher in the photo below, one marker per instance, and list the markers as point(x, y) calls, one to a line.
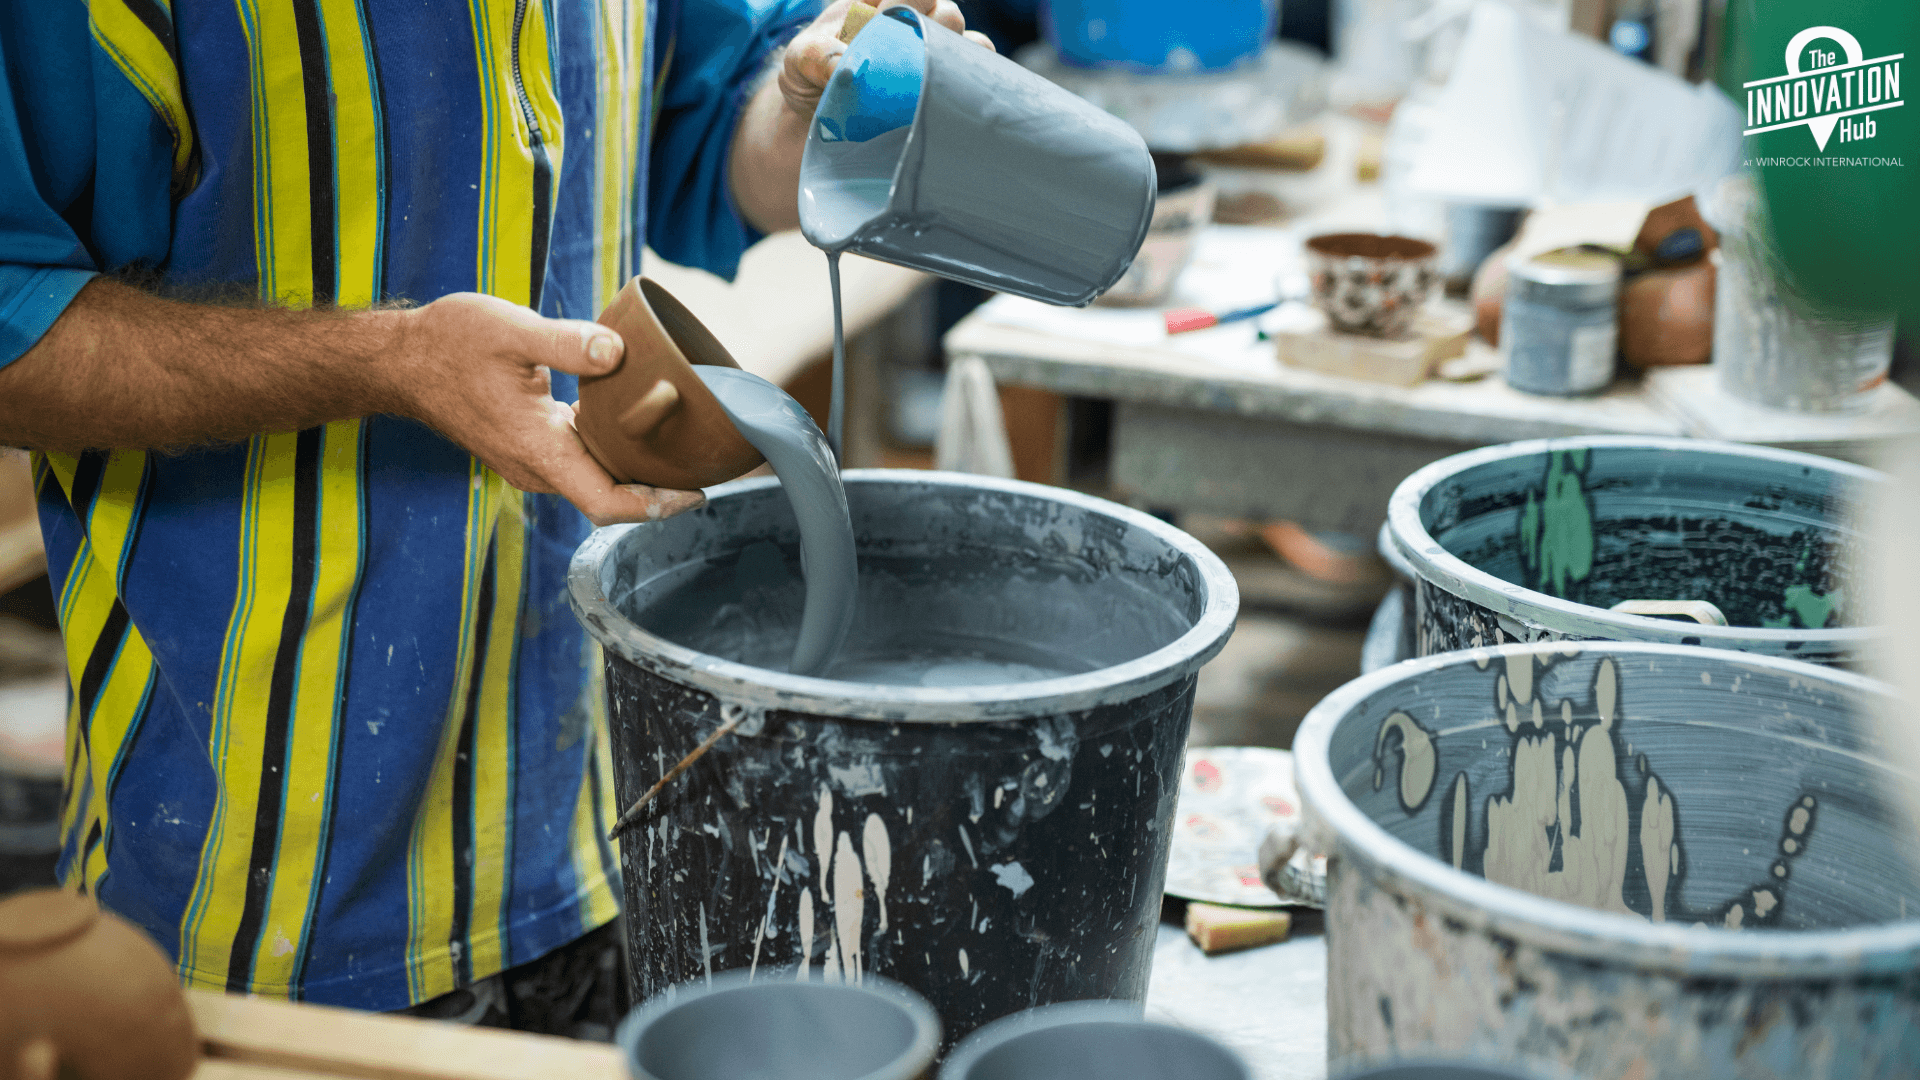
point(860, 129)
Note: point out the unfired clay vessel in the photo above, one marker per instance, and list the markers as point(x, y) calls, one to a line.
point(652, 421)
point(85, 995)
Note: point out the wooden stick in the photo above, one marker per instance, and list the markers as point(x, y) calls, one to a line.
point(632, 816)
point(259, 1039)
point(857, 16)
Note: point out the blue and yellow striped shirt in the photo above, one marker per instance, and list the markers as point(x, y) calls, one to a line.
point(333, 732)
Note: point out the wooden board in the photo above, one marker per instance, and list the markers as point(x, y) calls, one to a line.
point(248, 1038)
point(1438, 334)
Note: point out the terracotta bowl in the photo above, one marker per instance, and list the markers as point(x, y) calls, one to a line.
point(652, 421)
point(1370, 284)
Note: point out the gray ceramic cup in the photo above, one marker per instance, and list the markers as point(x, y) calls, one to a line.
point(1089, 1040)
point(933, 153)
point(772, 1027)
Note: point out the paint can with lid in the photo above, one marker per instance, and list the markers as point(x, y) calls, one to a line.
point(1559, 327)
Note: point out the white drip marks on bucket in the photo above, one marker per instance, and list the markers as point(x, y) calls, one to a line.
point(842, 887)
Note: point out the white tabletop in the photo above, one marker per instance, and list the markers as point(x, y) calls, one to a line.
point(1268, 1004)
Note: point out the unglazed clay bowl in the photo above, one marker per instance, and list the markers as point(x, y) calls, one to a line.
point(1370, 284)
point(651, 420)
point(84, 995)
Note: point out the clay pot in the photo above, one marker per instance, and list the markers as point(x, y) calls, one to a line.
point(651, 420)
point(1666, 317)
point(1370, 284)
point(1665, 220)
point(85, 995)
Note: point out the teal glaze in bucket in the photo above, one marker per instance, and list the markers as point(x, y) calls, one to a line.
point(1539, 540)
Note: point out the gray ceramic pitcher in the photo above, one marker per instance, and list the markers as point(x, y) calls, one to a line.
point(931, 152)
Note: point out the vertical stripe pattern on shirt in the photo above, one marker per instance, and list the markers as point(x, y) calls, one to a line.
point(594, 863)
point(523, 146)
point(274, 735)
point(439, 850)
point(621, 31)
point(110, 667)
point(138, 36)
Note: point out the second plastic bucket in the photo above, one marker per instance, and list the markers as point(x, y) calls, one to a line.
point(993, 847)
point(1540, 540)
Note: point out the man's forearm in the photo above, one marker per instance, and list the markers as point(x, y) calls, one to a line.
point(764, 171)
point(124, 369)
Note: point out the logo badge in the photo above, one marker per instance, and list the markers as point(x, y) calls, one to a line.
point(1826, 88)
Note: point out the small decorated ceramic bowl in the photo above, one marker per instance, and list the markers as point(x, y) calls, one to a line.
point(1371, 284)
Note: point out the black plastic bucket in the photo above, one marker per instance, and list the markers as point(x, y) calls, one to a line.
point(992, 847)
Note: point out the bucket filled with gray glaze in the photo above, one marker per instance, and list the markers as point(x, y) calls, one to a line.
point(781, 1029)
point(993, 835)
point(1627, 859)
point(1539, 540)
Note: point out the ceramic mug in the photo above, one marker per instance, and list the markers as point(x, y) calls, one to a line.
point(1089, 1040)
point(1371, 284)
point(769, 1025)
point(930, 152)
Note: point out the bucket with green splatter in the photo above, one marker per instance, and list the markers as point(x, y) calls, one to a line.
point(1635, 539)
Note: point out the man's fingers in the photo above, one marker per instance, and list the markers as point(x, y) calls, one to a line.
point(607, 503)
point(945, 12)
point(580, 479)
point(982, 40)
point(579, 347)
point(571, 345)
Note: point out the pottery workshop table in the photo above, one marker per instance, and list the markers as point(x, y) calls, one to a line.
point(1210, 421)
point(1269, 1004)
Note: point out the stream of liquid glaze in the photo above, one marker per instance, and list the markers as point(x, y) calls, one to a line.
point(782, 431)
point(837, 409)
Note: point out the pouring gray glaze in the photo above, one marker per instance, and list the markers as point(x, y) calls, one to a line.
point(781, 430)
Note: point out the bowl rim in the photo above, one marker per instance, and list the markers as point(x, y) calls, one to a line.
point(909, 1063)
point(1092, 1012)
point(762, 688)
point(1555, 925)
point(1419, 250)
point(1432, 563)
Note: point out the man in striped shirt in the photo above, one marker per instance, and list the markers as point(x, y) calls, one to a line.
point(291, 295)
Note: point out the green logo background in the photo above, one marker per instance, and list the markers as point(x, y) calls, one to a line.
point(1851, 235)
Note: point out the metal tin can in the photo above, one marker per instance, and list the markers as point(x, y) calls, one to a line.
point(1559, 327)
